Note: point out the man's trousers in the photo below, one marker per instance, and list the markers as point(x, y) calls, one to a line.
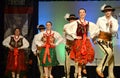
point(108, 58)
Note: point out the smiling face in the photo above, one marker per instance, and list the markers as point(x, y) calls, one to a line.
point(48, 25)
point(108, 13)
point(82, 13)
point(17, 32)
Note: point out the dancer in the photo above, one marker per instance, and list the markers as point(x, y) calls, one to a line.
point(16, 57)
point(82, 52)
point(46, 40)
point(108, 26)
point(68, 43)
point(36, 50)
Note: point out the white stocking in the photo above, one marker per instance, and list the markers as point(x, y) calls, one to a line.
point(49, 72)
point(46, 72)
point(79, 71)
point(13, 74)
point(76, 70)
point(18, 75)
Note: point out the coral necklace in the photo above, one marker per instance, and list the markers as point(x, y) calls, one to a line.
point(83, 22)
point(48, 33)
point(16, 38)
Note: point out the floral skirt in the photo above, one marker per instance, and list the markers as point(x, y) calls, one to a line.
point(21, 62)
point(52, 56)
point(82, 53)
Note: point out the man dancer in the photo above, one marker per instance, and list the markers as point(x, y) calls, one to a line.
point(69, 42)
point(36, 49)
point(107, 26)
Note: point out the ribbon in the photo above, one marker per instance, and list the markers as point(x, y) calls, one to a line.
point(47, 53)
point(16, 57)
point(83, 48)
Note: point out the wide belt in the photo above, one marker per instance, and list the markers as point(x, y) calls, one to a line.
point(69, 42)
point(105, 36)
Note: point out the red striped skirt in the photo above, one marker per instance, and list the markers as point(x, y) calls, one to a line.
point(21, 62)
point(82, 53)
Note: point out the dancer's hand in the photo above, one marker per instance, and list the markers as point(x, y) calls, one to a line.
point(88, 37)
point(52, 44)
point(94, 41)
point(35, 53)
point(110, 24)
point(43, 45)
point(11, 48)
point(79, 37)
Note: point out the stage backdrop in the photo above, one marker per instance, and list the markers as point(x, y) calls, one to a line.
point(55, 10)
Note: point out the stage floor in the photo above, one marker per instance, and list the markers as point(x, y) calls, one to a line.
point(58, 72)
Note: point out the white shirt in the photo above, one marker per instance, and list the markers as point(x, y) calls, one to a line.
point(102, 24)
point(65, 35)
point(34, 47)
point(72, 27)
point(7, 41)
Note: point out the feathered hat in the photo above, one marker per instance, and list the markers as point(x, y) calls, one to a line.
point(105, 8)
point(69, 17)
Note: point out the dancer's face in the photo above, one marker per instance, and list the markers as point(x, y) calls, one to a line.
point(17, 32)
point(48, 26)
point(82, 13)
point(108, 13)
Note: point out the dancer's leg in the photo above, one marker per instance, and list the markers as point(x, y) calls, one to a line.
point(13, 74)
point(111, 68)
point(79, 71)
point(107, 56)
point(45, 72)
point(76, 70)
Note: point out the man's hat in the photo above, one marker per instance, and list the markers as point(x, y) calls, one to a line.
point(108, 8)
point(40, 27)
point(72, 17)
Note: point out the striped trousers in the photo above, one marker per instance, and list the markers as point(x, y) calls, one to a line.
point(68, 65)
point(108, 58)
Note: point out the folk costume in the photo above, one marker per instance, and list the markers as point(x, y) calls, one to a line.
point(16, 61)
point(68, 40)
point(105, 42)
point(82, 51)
point(36, 50)
point(48, 53)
